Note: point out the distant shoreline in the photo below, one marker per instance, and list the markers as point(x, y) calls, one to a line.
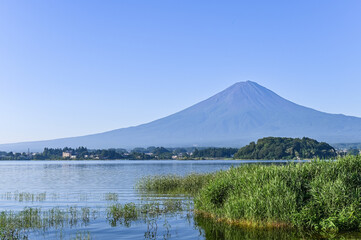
point(155, 160)
point(269, 148)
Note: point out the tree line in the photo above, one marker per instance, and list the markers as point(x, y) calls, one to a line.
point(83, 153)
point(265, 148)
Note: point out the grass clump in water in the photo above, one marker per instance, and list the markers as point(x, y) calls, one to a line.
point(189, 184)
point(111, 197)
point(122, 214)
point(320, 195)
point(125, 214)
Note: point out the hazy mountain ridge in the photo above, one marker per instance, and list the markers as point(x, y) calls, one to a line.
point(241, 113)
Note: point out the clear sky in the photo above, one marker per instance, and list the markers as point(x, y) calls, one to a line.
point(70, 68)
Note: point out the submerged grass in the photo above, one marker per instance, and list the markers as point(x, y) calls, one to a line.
point(20, 224)
point(17, 225)
point(24, 196)
point(125, 214)
point(319, 195)
point(150, 213)
point(82, 236)
point(111, 197)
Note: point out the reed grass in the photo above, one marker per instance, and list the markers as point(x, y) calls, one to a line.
point(189, 184)
point(320, 195)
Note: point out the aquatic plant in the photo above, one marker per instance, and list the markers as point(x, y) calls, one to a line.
point(152, 213)
point(125, 214)
point(112, 197)
point(10, 231)
point(16, 225)
point(82, 236)
point(174, 184)
point(24, 196)
point(319, 195)
point(122, 214)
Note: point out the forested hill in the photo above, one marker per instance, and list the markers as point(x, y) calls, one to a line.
point(286, 148)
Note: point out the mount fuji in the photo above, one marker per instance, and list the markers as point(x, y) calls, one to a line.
point(239, 114)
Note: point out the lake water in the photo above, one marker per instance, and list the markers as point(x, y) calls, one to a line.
point(87, 188)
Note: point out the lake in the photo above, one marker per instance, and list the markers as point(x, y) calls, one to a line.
point(84, 191)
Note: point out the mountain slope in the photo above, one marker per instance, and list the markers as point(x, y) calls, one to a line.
point(241, 113)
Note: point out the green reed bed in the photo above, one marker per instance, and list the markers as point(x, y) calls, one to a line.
point(189, 184)
point(319, 195)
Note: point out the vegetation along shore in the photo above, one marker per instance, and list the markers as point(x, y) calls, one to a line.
point(269, 148)
point(318, 195)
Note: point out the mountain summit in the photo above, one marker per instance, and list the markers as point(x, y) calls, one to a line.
point(239, 114)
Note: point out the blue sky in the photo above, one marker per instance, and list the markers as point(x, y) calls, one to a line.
point(70, 68)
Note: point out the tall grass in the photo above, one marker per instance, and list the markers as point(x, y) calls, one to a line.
point(189, 184)
point(319, 195)
point(322, 195)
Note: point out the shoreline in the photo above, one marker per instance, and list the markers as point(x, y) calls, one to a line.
point(145, 160)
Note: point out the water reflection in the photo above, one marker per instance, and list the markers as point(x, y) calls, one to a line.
point(212, 230)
